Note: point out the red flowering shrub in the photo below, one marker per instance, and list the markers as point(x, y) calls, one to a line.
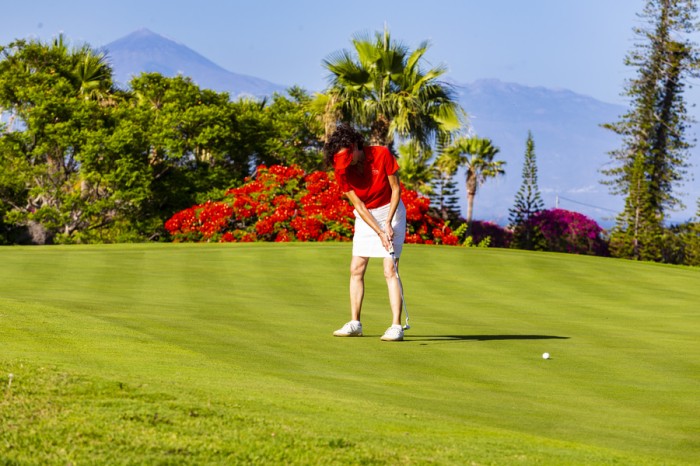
point(200, 222)
point(560, 230)
point(284, 204)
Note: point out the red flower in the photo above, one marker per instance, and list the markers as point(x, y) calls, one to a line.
point(282, 236)
point(264, 226)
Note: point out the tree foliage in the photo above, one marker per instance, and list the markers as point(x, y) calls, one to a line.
point(382, 87)
point(415, 167)
point(528, 200)
point(652, 162)
point(444, 195)
point(62, 103)
point(477, 156)
point(82, 161)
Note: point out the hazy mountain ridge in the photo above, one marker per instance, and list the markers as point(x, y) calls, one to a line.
point(570, 146)
point(146, 51)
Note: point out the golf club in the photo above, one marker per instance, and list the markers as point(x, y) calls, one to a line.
point(396, 269)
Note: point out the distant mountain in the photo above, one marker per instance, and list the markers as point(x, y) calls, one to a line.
point(570, 145)
point(146, 51)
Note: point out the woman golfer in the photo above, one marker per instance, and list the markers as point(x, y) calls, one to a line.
point(368, 178)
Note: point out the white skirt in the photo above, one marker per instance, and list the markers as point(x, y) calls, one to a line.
point(367, 243)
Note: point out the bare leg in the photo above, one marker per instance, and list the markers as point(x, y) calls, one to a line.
point(394, 290)
point(358, 266)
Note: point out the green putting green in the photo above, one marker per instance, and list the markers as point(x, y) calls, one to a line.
point(198, 353)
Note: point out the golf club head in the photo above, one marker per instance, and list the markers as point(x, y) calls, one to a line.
point(406, 327)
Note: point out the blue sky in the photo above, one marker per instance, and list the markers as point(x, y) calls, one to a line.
point(574, 44)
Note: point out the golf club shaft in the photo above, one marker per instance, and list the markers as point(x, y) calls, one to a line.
point(398, 277)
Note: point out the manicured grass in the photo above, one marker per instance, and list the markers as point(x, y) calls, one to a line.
point(200, 354)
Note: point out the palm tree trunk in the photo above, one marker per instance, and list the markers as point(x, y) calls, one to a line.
point(330, 117)
point(379, 132)
point(470, 210)
point(471, 193)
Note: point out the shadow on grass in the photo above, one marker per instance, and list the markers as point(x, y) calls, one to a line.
point(419, 338)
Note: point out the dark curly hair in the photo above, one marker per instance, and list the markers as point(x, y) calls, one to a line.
point(344, 136)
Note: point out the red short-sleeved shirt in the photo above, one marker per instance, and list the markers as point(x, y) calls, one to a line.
point(369, 179)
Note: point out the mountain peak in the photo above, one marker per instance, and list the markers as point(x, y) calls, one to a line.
point(146, 51)
point(141, 37)
point(144, 32)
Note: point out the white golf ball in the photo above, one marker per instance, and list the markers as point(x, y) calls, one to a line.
point(545, 355)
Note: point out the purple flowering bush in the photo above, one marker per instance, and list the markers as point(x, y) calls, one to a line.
point(560, 230)
point(498, 236)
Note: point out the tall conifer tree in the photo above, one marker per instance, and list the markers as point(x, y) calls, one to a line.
point(444, 196)
point(654, 151)
point(643, 235)
point(528, 200)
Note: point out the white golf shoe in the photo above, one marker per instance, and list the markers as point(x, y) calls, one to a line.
point(351, 329)
point(393, 333)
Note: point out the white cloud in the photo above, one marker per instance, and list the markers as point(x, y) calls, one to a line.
point(584, 189)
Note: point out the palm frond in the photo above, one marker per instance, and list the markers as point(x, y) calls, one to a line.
point(381, 79)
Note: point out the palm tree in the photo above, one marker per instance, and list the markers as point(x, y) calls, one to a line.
point(382, 88)
point(415, 167)
point(93, 75)
point(477, 155)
